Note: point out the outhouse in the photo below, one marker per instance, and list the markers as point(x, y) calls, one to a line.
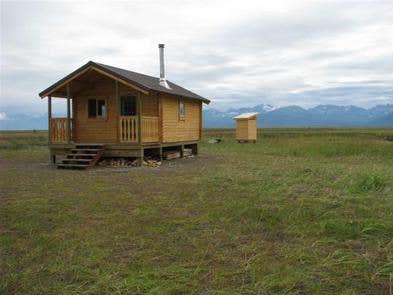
point(246, 127)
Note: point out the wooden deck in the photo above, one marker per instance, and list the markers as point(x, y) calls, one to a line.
point(59, 151)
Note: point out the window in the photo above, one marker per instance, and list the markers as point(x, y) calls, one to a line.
point(96, 108)
point(182, 109)
point(128, 105)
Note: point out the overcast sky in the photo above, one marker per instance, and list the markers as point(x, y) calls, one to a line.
point(237, 54)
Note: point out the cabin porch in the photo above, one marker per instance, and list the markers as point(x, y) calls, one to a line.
point(101, 109)
point(131, 130)
point(59, 152)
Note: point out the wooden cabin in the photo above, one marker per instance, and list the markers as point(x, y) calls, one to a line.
point(119, 113)
point(246, 127)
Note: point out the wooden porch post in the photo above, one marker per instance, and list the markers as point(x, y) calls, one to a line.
point(68, 114)
point(139, 101)
point(49, 118)
point(139, 119)
point(117, 98)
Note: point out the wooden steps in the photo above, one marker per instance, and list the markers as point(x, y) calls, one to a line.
point(83, 156)
point(85, 149)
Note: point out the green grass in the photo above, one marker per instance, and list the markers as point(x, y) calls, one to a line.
point(302, 211)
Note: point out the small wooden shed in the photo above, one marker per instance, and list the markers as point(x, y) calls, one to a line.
point(246, 127)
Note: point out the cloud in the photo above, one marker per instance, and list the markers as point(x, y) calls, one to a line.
point(3, 116)
point(238, 54)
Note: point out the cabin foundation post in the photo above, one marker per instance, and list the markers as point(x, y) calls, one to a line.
point(182, 151)
point(141, 156)
point(68, 114)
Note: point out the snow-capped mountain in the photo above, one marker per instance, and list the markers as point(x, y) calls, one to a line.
point(261, 108)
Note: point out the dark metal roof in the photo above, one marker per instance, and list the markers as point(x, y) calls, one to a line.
point(141, 80)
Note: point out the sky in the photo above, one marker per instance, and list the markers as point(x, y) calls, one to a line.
point(237, 54)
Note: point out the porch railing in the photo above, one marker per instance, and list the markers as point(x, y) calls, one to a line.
point(58, 130)
point(149, 129)
point(129, 129)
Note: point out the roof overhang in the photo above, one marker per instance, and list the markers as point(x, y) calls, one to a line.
point(205, 100)
point(51, 90)
point(84, 69)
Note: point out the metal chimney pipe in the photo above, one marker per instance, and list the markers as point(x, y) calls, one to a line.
point(162, 67)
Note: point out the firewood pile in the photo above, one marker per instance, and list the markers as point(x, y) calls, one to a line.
point(119, 162)
point(151, 163)
point(187, 153)
point(123, 162)
point(170, 155)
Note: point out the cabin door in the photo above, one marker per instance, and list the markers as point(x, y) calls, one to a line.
point(128, 119)
point(128, 105)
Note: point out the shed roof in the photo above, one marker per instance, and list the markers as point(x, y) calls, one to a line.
point(141, 80)
point(246, 116)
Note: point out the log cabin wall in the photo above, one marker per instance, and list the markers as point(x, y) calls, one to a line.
point(150, 105)
point(105, 130)
point(176, 129)
point(96, 130)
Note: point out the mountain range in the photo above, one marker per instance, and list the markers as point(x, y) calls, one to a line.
point(295, 116)
point(268, 116)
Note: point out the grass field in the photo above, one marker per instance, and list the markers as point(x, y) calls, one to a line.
point(303, 211)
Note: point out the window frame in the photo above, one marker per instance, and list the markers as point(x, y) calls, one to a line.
point(97, 117)
point(182, 116)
